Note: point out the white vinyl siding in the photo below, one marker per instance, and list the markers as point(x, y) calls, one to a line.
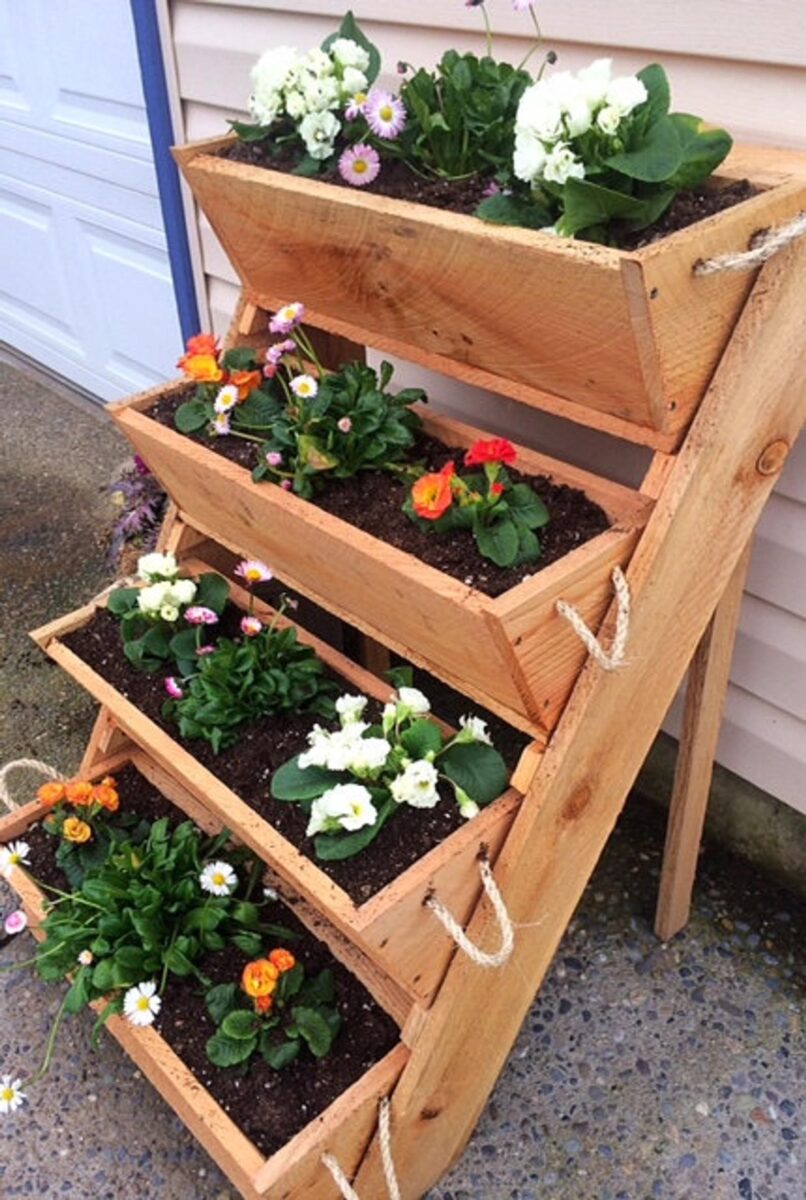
point(736, 63)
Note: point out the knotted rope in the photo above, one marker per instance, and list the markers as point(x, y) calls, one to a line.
point(389, 1173)
point(614, 657)
point(481, 958)
point(20, 764)
point(764, 246)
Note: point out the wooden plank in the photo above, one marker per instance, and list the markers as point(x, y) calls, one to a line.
point(105, 739)
point(751, 416)
point(702, 717)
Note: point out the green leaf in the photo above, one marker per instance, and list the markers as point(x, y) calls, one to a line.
point(657, 157)
point(656, 105)
point(257, 412)
point(221, 1000)
point(321, 990)
point(204, 917)
point(522, 211)
point(477, 768)
point(290, 982)
point(192, 416)
point(421, 738)
point(314, 1029)
point(228, 1052)
point(246, 913)
point(250, 943)
point(308, 167)
point(249, 133)
point(79, 994)
point(292, 782)
point(157, 641)
point(350, 28)
point(239, 358)
point(526, 506)
point(279, 1056)
point(588, 204)
point(122, 600)
point(334, 847)
point(212, 591)
point(313, 453)
point(178, 962)
point(240, 1024)
point(183, 645)
point(498, 542)
point(103, 975)
point(703, 150)
point(109, 1010)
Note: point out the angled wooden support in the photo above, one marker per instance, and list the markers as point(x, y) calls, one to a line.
point(736, 447)
point(702, 717)
point(106, 740)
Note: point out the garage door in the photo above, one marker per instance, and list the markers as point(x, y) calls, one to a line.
point(85, 283)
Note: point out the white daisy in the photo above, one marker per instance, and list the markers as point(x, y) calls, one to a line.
point(304, 386)
point(12, 1096)
point(141, 1003)
point(15, 854)
point(219, 879)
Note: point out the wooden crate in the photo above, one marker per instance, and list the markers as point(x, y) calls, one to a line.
point(513, 653)
point(630, 339)
point(294, 1172)
point(393, 928)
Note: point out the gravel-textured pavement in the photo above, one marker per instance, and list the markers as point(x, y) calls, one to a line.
point(642, 1071)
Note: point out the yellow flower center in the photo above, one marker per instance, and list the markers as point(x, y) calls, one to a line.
point(7, 1094)
point(15, 860)
point(359, 166)
point(218, 879)
point(252, 575)
point(143, 1004)
point(386, 113)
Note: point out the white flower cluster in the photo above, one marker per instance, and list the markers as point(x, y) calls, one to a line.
point(166, 598)
point(151, 567)
point(555, 110)
point(308, 88)
point(346, 749)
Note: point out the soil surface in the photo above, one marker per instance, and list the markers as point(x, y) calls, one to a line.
point(372, 501)
point(465, 195)
point(247, 768)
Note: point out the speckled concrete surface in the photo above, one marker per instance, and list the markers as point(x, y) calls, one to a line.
point(642, 1071)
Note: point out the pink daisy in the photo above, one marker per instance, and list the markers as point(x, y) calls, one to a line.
point(172, 688)
point(359, 165)
point(355, 108)
point(253, 571)
point(287, 317)
point(344, 424)
point(208, 649)
point(197, 614)
point(274, 458)
point(251, 626)
point(385, 113)
point(15, 922)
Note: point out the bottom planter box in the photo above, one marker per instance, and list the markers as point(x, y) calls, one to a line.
point(393, 927)
point(294, 1172)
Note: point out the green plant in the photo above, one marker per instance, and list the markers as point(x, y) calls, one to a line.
point(275, 1012)
point(232, 395)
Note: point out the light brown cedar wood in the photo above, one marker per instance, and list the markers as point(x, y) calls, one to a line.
point(680, 570)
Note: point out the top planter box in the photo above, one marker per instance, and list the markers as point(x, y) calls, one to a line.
point(633, 338)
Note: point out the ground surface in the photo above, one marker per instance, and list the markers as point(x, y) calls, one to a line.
point(643, 1071)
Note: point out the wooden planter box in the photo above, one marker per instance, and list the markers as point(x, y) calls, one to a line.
point(513, 653)
point(634, 336)
point(343, 1129)
point(393, 928)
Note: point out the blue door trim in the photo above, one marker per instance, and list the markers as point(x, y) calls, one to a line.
point(155, 89)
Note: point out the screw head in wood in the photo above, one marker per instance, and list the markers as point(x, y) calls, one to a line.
point(772, 457)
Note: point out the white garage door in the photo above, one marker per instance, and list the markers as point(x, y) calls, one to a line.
point(85, 284)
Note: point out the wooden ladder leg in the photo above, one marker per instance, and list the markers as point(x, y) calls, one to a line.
point(106, 739)
point(702, 718)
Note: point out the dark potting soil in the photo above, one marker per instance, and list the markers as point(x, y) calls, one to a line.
point(263, 746)
point(372, 501)
point(137, 797)
point(465, 195)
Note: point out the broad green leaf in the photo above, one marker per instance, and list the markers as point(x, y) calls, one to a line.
point(239, 358)
point(178, 962)
point(79, 993)
point(313, 454)
point(192, 416)
point(527, 507)
point(350, 28)
point(221, 1000)
point(157, 641)
point(588, 204)
point(240, 1024)
point(421, 738)
point(103, 975)
point(477, 768)
point(703, 150)
point(314, 1029)
point(250, 943)
point(656, 105)
point(259, 411)
point(521, 211)
point(122, 600)
point(292, 782)
point(249, 133)
point(308, 167)
point(656, 159)
point(290, 982)
point(212, 591)
point(279, 1056)
point(321, 990)
point(338, 846)
point(498, 542)
point(529, 549)
point(228, 1052)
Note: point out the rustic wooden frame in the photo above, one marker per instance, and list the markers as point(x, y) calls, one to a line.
point(623, 341)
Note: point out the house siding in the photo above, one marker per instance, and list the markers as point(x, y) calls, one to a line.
point(741, 65)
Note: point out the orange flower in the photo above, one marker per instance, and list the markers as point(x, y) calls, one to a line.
point(203, 368)
point(283, 960)
point(431, 495)
point(50, 793)
point(494, 450)
point(108, 781)
point(245, 382)
point(259, 978)
point(496, 489)
point(79, 792)
point(203, 343)
point(263, 1004)
point(106, 796)
point(75, 830)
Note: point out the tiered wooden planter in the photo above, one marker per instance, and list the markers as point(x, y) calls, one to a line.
point(526, 658)
point(393, 927)
point(294, 1171)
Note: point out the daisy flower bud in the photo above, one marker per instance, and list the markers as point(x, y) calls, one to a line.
point(274, 458)
point(251, 626)
point(15, 922)
point(172, 688)
point(344, 425)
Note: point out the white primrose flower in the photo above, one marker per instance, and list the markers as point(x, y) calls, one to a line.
point(417, 785)
point(414, 700)
point(319, 131)
point(625, 93)
point(346, 806)
point(169, 612)
point(332, 750)
point(182, 591)
point(468, 809)
point(562, 164)
point(272, 70)
point(565, 90)
point(218, 878)
point(474, 729)
point(369, 754)
point(350, 708)
point(348, 53)
point(12, 1096)
point(319, 62)
point(608, 120)
point(388, 717)
point(594, 80)
point(15, 854)
point(151, 599)
point(321, 95)
point(141, 1003)
point(295, 104)
point(530, 156)
point(353, 82)
point(265, 105)
point(151, 567)
point(539, 114)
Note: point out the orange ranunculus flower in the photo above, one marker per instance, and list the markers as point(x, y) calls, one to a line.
point(203, 368)
point(263, 1004)
point(108, 781)
point(203, 343)
point(79, 792)
point(432, 495)
point(50, 793)
point(283, 960)
point(492, 450)
point(76, 830)
point(106, 796)
point(259, 978)
point(245, 382)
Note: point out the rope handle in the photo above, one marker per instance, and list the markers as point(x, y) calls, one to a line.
point(763, 246)
point(610, 659)
point(389, 1173)
point(482, 958)
point(22, 764)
